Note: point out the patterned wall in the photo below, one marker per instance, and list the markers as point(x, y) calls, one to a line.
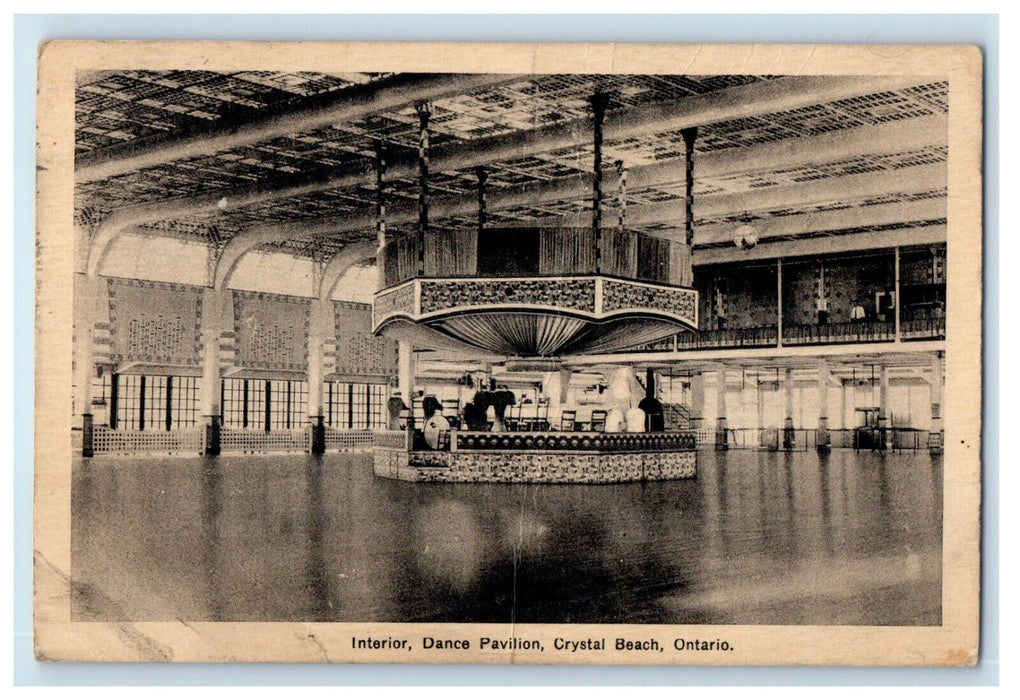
point(749, 296)
point(358, 352)
point(271, 331)
point(849, 283)
point(155, 322)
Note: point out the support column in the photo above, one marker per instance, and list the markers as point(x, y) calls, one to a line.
point(697, 410)
point(424, 113)
point(896, 295)
point(884, 421)
point(789, 436)
point(621, 204)
point(935, 441)
point(86, 302)
point(320, 326)
point(779, 302)
point(483, 212)
point(689, 136)
point(405, 371)
point(822, 441)
point(760, 398)
point(380, 211)
point(721, 442)
point(212, 327)
point(599, 102)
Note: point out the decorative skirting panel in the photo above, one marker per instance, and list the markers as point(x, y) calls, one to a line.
point(187, 441)
point(573, 442)
point(348, 440)
point(261, 441)
point(532, 467)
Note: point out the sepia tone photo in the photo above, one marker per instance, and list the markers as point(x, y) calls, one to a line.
point(508, 354)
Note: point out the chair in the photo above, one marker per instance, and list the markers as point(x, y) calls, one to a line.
point(451, 412)
point(598, 421)
point(567, 420)
point(541, 421)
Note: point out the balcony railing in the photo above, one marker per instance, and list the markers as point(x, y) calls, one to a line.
point(837, 333)
point(729, 338)
point(821, 334)
point(923, 329)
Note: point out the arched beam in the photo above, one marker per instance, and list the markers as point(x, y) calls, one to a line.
point(243, 243)
point(341, 262)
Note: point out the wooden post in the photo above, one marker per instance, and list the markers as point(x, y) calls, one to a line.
point(779, 302)
point(721, 442)
point(380, 210)
point(213, 303)
point(823, 443)
point(599, 102)
point(424, 113)
point(935, 431)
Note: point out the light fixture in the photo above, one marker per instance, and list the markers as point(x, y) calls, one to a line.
point(746, 235)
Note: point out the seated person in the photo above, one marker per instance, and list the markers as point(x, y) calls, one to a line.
point(474, 417)
point(616, 421)
point(395, 406)
point(435, 425)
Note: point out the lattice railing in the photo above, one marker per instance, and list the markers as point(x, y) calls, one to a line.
point(348, 440)
point(184, 441)
point(261, 441)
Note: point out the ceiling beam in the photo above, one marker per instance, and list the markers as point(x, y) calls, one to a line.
point(815, 150)
point(799, 224)
point(793, 152)
point(483, 151)
point(848, 188)
point(348, 105)
point(823, 245)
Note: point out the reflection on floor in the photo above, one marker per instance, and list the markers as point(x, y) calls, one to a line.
point(757, 538)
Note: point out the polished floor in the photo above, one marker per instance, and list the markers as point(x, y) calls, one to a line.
point(757, 538)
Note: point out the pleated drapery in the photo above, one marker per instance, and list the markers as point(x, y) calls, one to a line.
point(565, 251)
point(451, 253)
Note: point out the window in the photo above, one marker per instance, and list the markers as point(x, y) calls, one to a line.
point(259, 404)
point(355, 406)
point(153, 402)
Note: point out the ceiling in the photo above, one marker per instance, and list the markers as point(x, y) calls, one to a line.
point(210, 156)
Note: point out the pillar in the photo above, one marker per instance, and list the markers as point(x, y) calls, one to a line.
point(822, 442)
point(935, 441)
point(789, 437)
point(380, 210)
point(212, 327)
point(483, 211)
point(896, 294)
point(721, 443)
point(621, 204)
point(599, 102)
point(405, 371)
point(689, 135)
point(884, 421)
point(320, 326)
point(843, 422)
point(779, 302)
point(697, 408)
point(424, 113)
point(760, 397)
point(87, 295)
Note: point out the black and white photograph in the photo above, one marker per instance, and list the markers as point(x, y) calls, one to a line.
point(520, 357)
